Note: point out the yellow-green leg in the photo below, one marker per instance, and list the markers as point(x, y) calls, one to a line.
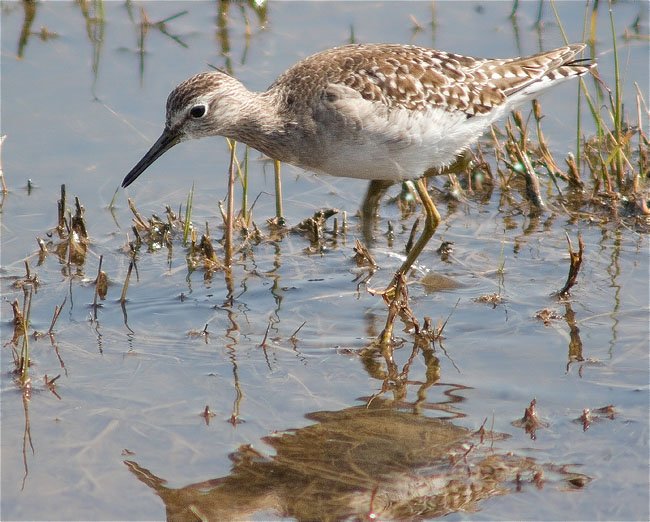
point(430, 225)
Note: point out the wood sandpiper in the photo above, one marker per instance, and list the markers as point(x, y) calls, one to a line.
point(381, 112)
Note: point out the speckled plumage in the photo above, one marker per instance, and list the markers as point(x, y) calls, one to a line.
point(372, 111)
point(417, 78)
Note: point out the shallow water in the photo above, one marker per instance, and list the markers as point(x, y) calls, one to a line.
point(81, 107)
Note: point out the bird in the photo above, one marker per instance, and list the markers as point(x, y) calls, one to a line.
point(381, 112)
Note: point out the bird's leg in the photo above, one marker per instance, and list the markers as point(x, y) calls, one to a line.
point(370, 206)
point(430, 225)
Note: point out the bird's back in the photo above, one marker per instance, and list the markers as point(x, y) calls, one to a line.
point(387, 111)
point(416, 78)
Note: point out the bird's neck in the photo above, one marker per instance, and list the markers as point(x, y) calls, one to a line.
point(257, 122)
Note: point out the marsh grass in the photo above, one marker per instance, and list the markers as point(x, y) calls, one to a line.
point(23, 360)
point(187, 226)
point(608, 156)
point(607, 173)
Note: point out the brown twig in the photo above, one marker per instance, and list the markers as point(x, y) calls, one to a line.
point(574, 267)
point(293, 337)
point(230, 214)
point(125, 287)
point(55, 316)
point(100, 281)
point(362, 256)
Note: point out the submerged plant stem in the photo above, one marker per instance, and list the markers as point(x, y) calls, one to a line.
point(230, 213)
point(279, 214)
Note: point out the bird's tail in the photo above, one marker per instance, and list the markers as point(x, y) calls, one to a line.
point(541, 70)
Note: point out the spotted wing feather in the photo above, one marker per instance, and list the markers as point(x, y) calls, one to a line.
point(417, 78)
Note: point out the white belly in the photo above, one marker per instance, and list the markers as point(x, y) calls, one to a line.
point(370, 141)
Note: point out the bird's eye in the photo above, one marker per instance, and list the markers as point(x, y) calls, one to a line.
point(198, 111)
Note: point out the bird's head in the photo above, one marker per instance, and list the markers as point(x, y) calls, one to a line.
point(200, 106)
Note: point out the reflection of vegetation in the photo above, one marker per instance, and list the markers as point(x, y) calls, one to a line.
point(143, 29)
point(231, 347)
point(223, 32)
point(20, 349)
point(364, 462)
point(29, 7)
point(94, 15)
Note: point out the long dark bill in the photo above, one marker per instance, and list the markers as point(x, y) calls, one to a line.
point(166, 141)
